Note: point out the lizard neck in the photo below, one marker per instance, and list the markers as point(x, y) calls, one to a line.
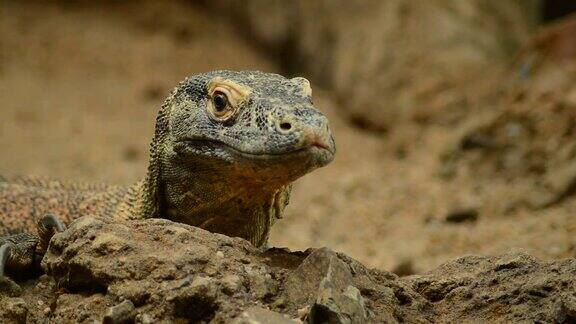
point(246, 211)
point(206, 197)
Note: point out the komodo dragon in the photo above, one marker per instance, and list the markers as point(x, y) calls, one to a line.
point(226, 148)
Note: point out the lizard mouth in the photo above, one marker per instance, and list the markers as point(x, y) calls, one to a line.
point(194, 145)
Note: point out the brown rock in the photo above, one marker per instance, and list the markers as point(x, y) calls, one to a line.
point(154, 270)
point(257, 314)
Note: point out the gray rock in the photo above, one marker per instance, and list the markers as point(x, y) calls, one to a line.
point(332, 307)
point(259, 315)
point(323, 281)
point(121, 313)
point(322, 265)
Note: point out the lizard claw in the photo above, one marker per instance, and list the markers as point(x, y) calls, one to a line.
point(22, 251)
point(7, 286)
point(47, 227)
point(17, 255)
point(52, 222)
point(5, 250)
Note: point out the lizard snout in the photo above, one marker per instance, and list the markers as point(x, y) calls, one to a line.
point(320, 137)
point(313, 133)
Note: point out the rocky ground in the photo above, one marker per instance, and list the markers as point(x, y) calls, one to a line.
point(483, 164)
point(144, 271)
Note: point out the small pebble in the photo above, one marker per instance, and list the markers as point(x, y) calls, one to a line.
point(303, 312)
point(231, 283)
point(147, 319)
point(121, 313)
point(462, 215)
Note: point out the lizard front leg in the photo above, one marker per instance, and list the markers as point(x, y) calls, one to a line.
point(22, 252)
point(17, 252)
point(47, 227)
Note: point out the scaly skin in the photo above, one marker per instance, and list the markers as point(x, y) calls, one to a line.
point(226, 148)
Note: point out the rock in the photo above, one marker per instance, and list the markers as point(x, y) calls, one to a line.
point(13, 310)
point(322, 265)
point(121, 313)
point(165, 270)
point(566, 309)
point(323, 280)
point(333, 307)
point(156, 270)
point(231, 283)
point(462, 215)
point(259, 315)
point(511, 288)
point(518, 156)
point(9, 288)
point(196, 301)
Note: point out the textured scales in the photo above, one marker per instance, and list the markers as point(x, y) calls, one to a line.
point(226, 168)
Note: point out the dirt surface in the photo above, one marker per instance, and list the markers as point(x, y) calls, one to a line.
point(81, 84)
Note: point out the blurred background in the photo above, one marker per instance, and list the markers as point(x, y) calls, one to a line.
point(455, 120)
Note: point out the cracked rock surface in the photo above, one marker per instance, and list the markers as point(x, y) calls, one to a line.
point(150, 270)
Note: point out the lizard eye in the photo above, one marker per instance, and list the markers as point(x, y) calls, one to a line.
point(220, 106)
point(220, 101)
point(224, 99)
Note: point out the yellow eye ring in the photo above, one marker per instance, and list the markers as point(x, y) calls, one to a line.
point(220, 105)
point(225, 98)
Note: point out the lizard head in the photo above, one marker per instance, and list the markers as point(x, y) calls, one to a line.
point(226, 148)
point(252, 127)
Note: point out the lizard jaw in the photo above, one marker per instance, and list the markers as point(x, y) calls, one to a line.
point(196, 145)
point(261, 169)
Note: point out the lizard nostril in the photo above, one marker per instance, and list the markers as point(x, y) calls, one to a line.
point(285, 126)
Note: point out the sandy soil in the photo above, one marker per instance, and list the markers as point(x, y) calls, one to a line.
point(80, 86)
